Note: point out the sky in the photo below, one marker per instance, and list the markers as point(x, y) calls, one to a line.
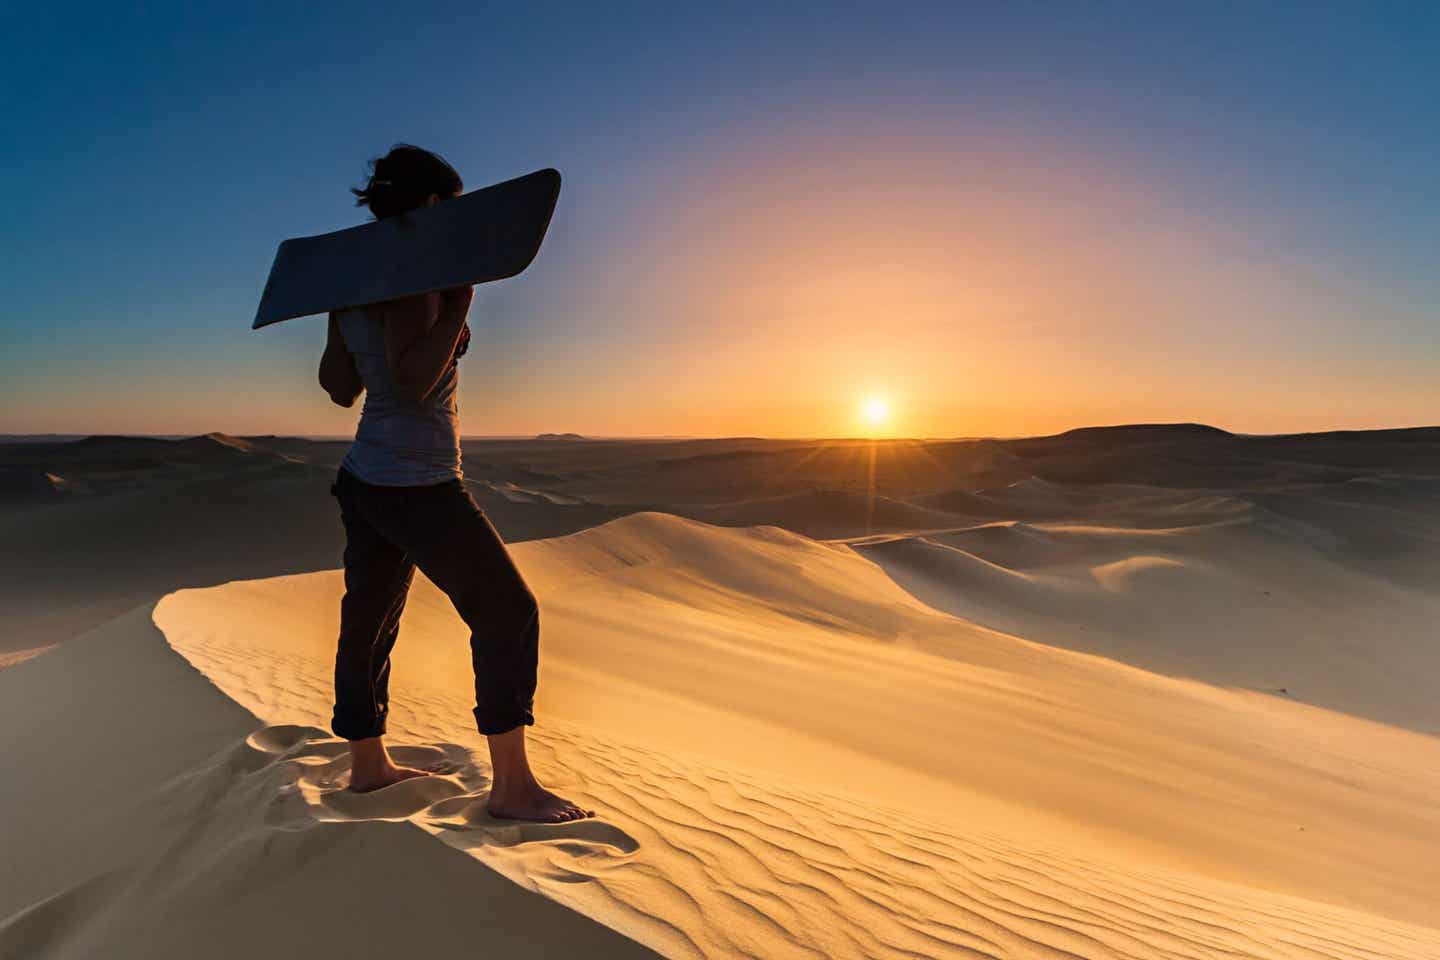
point(780, 220)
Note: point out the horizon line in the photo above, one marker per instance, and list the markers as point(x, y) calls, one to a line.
point(576, 437)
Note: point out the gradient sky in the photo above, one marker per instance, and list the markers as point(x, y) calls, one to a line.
point(1002, 218)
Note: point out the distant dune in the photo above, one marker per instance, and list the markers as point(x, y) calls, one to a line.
point(1231, 592)
point(109, 522)
point(824, 514)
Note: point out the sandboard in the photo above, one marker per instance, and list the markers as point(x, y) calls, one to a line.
point(487, 234)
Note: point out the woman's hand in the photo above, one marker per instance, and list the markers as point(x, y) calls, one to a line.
point(463, 344)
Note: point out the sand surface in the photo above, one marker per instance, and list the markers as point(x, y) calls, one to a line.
point(1045, 718)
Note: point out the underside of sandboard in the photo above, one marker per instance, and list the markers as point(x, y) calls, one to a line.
point(485, 235)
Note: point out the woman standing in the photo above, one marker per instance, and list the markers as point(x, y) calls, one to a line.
point(404, 506)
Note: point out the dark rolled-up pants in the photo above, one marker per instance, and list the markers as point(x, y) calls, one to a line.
point(389, 531)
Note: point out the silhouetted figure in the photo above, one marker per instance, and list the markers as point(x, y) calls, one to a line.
point(404, 506)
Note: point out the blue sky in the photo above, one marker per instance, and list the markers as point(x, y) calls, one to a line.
point(155, 159)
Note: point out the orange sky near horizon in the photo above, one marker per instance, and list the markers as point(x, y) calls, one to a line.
point(995, 286)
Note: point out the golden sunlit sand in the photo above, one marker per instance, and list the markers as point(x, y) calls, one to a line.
point(1140, 722)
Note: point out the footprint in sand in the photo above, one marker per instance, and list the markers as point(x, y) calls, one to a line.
point(449, 804)
point(281, 738)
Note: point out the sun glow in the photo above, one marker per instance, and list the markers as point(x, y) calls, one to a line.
point(875, 411)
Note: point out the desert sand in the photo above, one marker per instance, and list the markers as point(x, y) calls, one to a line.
point(1140, 692)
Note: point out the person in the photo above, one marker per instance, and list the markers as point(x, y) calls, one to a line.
point(404, 505)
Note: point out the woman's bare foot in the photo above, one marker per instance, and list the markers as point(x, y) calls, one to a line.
point(515, 794)
point(379, 779)
point(534, 803)
point(372, 769)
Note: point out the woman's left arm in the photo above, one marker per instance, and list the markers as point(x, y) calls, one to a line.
point(338, 375)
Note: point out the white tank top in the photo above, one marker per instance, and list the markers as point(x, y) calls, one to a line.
point(398, 443)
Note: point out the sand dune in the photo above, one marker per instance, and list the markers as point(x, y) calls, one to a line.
point(1013, 716)
point(155, 818)
point(234, 839)
point(110, 522)
point(796, 680)
point(131, 518)
point(1336, 609)
point(702, 848)
point(826, 514)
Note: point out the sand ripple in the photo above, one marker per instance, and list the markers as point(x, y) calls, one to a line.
point(698, 861)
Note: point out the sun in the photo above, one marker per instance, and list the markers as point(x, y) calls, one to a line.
point(875, 411)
